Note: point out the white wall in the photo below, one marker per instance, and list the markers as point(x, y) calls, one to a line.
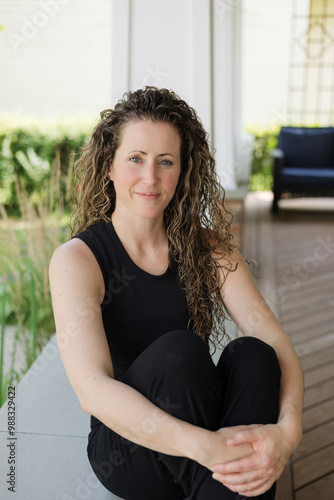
point(55, 56)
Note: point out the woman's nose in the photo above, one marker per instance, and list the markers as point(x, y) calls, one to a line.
point(150, 173)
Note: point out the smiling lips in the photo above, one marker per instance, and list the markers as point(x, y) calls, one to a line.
point(149, 196)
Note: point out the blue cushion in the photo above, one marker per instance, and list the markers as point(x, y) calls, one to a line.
point(307, 147)
point(316, 177)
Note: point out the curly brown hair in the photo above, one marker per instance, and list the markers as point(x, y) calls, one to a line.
point(197, 220)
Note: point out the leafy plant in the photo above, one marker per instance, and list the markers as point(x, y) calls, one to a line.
point(27, 150)
point(261, 173)
point(27, 245)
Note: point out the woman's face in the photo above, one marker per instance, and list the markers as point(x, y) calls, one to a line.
point(146, 168)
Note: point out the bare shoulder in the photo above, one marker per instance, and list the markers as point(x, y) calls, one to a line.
point(70, 252)
point(74, 264)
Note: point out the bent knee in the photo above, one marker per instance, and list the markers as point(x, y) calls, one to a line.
point(183, 353)
point(180, 353)
point(180, 345)
point(252, 351)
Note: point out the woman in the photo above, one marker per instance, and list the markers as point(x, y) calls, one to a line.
point(139, 294)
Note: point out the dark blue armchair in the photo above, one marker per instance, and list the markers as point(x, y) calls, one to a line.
point(303, 163)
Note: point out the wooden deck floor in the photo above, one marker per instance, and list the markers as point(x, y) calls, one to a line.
point(295, 254)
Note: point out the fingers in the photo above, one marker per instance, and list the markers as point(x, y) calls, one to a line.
point(246, 481)
point(245, 486)
point(255, 491)
point(251, 463)
point(251, 479)
point(248, 476)
point(245, 436)
point(240, 479)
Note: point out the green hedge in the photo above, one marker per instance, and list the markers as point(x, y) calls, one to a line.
point(29, 148)
point(265, 140)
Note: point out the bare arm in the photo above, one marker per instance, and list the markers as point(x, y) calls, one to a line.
point(77, 290)
point(273, 444)
point(250, 312)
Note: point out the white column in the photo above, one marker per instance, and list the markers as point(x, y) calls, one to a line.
point(201, 61)
point(166, 44)
point(121, 37)
point(223, 80)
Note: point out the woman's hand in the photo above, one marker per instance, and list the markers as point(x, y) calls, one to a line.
point(254, 475)
point(213, 449)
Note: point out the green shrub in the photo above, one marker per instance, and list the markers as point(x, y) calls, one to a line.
point(265, 140)
point(27, 151)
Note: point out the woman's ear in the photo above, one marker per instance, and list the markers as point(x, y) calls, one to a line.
point(111, 172)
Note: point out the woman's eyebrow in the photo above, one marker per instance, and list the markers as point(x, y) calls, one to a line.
point(143, 153)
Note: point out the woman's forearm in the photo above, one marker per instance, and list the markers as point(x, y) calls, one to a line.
point(292, 391)
point(130, 414)
point(134, 417)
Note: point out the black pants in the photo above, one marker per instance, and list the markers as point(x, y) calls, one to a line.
point(177, 374)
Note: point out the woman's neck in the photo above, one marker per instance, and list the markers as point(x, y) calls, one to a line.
point(141, 236)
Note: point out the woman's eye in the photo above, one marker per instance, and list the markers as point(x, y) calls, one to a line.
point(166, 162)
point(135, 159)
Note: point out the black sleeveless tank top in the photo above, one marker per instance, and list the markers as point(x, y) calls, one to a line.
point(138, 307)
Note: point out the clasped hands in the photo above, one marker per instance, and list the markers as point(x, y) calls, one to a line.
point(249, 459)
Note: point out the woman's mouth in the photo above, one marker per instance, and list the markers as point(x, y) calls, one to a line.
point(148, 196)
